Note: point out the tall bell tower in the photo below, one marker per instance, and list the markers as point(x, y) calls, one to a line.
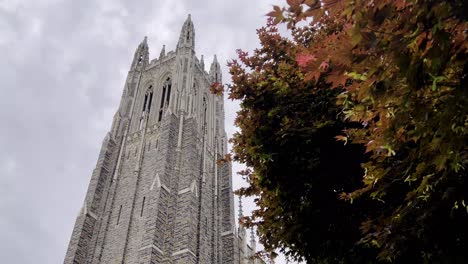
point(157, 194)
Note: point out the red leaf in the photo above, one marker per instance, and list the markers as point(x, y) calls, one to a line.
point(304, 58)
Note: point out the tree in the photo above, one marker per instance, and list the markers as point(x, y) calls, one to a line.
point(296, 167)
point(399, 70)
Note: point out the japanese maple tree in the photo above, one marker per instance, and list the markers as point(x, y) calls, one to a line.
point(389, 77)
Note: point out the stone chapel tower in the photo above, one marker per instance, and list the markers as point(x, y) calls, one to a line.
point(157, 194)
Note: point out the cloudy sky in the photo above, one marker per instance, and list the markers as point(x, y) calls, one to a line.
point(62, 67)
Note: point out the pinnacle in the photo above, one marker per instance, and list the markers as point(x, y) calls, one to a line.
point(241, 213)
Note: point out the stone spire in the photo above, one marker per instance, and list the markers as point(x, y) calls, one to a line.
point(202, 63)
point(241, 213)
point(252, 238)
point(141, 57)
point(163, 52)
point(215, 71)
point(187, 35)
point(241, 229)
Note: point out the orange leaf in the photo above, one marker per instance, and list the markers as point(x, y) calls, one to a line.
point(337, 78)
point(324, 65)
point(399, 4)
point(217, 89)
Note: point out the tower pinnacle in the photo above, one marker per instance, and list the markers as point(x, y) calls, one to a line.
point(252, 237)
point(202, 63)
point(187, 34)
point(215, 71)
point(241, 213)
point(141, 57)
point(163, 52)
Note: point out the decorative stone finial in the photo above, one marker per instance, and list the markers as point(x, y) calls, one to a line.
point(252, 237)
point(187, 34)
point(215, 70)
point(241, 213)
point(163, 52)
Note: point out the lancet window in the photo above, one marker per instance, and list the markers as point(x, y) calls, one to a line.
point(165, 97)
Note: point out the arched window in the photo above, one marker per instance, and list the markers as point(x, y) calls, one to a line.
point(165, 97)
point(146, 105)
point(148, 100)
point(168, 85)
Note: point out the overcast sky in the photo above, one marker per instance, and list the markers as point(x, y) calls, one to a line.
point(62, 68)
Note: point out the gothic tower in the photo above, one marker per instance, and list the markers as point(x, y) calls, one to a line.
point(157, 194)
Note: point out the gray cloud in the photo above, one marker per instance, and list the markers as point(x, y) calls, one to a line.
point(62, 73)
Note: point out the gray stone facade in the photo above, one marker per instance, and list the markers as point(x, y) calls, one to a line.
point(157, 194)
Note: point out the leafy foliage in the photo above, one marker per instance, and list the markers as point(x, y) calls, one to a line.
point(287, 129)
point(387, 76)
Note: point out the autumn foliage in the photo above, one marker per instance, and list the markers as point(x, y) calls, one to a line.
point(355, 131)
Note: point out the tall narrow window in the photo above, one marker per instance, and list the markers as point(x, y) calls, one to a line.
point(118, 216)
point(150, 101)
point(204, 109)
point(142, 206)
point(160, 115)
point(169, 85)
point(164, 98)
point(144, 104)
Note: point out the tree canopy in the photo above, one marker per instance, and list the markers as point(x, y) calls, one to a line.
point(354, 131)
